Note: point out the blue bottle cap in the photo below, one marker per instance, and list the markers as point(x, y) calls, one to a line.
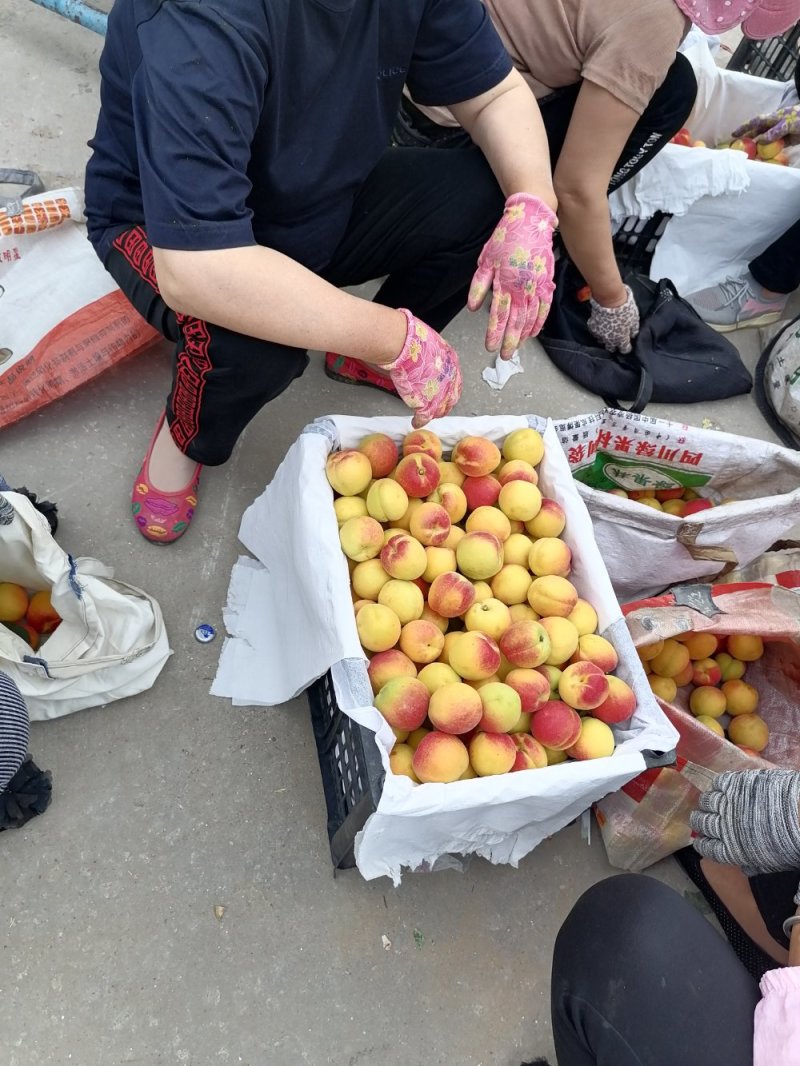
point(205, 633)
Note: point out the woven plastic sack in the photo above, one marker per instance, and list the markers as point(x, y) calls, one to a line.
point(777, 384)
point(646, 550)
point(648, 819)
point(111, 641)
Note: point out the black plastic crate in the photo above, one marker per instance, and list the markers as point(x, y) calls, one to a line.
point(352, 771)
point(636, 240)
point(776, 58)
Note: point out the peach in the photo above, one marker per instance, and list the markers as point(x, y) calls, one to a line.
point(401, 735)
point(520, 500)
point(511, 583)
point(501, 708)
point(439, 561)
point(348, 472)
point(596, 741)
point(525, 644)
point(404, 598)
point(424, 441)
point(524, 444)
point(481, 491)
point(695, 507)
point(552, 595)
point(556, 725)
point(378, 627)
point(418, 474)
point(706, 672)
point(368, 578)
point(455, 708)
point(669, 494)
point(642, 494)
point(400, 761)
point(489, 520)
point(440, 757)
point(430, 524)
point(710, 723)
point(745, 647)
point(468, 775)
point(550, 556)
point(403, 702)
point(750, 731)
point(476, 456)
point(684, 677)
point(488, 616)
point(451, 594)
point(532, 688)
point(404, 521)
point(452, 498)
point(492, 753)
point(435, 675)
point(730, 669)
point(13, 602)
point(358, 604)
point(415, 736)
point(361, 538)
point(594, 649)
point(740, 698)
point(700, 645)
point(618, 492)
point(403, 557)
point(522, 612)
point(706, 699)
point(646, 652)
point(663, 687)
point(619, 704)
point(347, 507)
point(516, 527)
point(478, 685)
point(429, 615)
point(584, 617)
point(564, 639)
point(474, 656)
point(421, 641)
point(530, 753)
point(479, 555)
point(554, 757)
point(674, 507)
point(25, 632)
point(386, 500)
point(648, 501)
point(671, 660)
point(549, 522)
point(522, 724)
point(444, 657)
point(583, 686)
point(449, 474)
point(505, 668)
point(483, 591)
point(385, 665)
point(552, 674)
point(382, 453)
point(516, 549)
point(517, 470)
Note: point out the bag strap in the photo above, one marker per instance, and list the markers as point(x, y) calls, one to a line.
point(644, 394)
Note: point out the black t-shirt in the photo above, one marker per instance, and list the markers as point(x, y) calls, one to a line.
point(226, 123)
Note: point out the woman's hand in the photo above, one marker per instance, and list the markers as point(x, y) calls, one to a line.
point(615, 327)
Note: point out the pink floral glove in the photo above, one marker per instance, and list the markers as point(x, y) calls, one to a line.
point(615, 327)
point(785, 122)
point(426, 373)
point(517, 264)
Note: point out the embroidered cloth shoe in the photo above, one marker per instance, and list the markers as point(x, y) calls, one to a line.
point(162, 517)
point(735, 303)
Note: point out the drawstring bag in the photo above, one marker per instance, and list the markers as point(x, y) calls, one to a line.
point(676, 357)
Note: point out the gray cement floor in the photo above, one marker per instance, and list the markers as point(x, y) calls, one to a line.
point(171, 803)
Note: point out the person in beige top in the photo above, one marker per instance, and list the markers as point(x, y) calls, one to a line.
point(612, 91)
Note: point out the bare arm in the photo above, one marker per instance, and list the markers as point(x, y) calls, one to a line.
point(598, 130)
point(263, 293)
point(506, 125)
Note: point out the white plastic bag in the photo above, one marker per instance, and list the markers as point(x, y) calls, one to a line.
point(291, 619)
point(111, 641)
point(63, 319)
point(647, 550)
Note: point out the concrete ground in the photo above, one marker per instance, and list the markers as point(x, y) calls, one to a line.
point(172, 803)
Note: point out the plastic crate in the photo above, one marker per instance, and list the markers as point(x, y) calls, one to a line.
point(352, 771)
point(636, 240)
point(776, 58)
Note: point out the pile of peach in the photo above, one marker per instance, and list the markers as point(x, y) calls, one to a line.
point(28, 614)
point(713, 668)
point(483, 658)
point(680, 502)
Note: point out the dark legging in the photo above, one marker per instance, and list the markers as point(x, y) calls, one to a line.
point(778, 267)
point(664, 116)
point(640, 978)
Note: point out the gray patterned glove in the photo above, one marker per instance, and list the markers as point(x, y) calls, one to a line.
point(750, 818)
point(615, 327)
